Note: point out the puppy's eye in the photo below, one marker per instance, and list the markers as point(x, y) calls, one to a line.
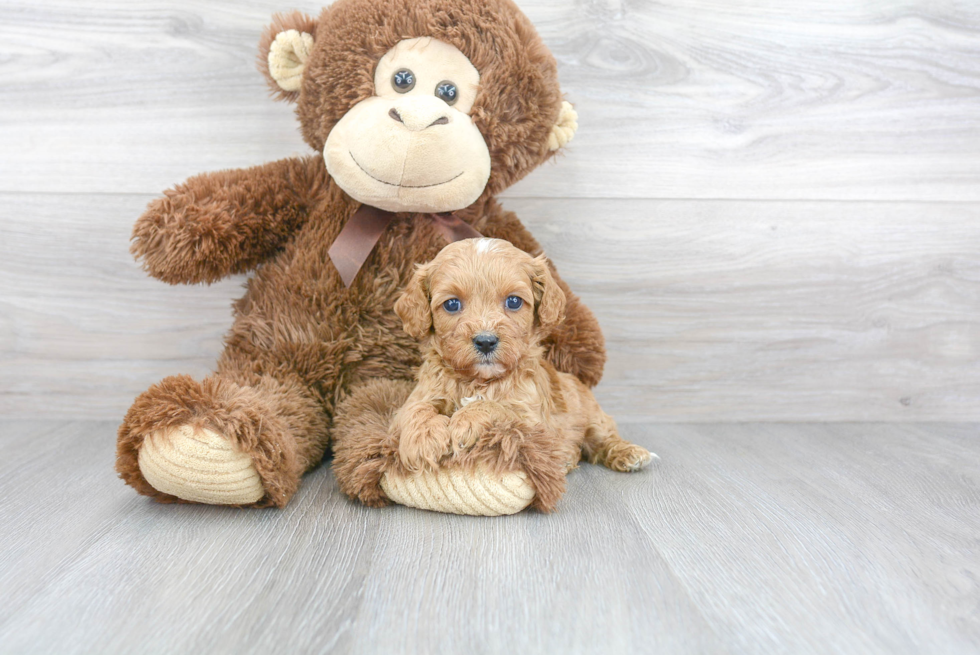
point(513, 302)
point(403, 81)
point(452, 305)
point(447, 91)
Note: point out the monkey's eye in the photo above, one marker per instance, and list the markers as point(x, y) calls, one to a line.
point(447, 91)
point(452, 305)
point(515, 303)
point(403, 81)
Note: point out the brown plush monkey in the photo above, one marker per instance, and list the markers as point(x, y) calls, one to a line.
point(414, 108)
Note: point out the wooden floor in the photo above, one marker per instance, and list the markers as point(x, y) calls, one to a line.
point(743, 538)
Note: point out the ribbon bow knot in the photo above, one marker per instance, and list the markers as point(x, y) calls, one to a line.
point(358, 237)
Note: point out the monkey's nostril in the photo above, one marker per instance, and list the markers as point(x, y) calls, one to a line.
point(442, 120)
point(485, 342)
point(395, 115)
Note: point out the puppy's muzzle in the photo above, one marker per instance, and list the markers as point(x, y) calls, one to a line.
point(486, 342)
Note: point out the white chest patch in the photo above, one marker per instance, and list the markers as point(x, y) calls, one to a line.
point(463, 402)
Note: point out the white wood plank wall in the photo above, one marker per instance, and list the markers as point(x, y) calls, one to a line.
point(774, 208)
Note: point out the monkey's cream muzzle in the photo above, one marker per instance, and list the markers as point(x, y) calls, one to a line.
point(408, 148)
point(408, 154)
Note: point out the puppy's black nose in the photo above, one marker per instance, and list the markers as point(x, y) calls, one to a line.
point(485, 342)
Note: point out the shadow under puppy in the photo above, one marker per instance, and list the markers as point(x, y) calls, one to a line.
point(486, 395)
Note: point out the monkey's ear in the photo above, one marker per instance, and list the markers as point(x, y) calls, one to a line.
point(413, 307)
point(564, 128)
point(283, 50)
point(549, 299)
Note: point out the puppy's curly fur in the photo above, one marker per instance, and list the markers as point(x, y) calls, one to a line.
point(484, 386)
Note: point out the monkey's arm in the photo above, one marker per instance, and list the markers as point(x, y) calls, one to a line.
point(577, 345)
point(217, 224)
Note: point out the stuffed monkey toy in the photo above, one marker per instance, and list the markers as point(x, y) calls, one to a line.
point(418, 112)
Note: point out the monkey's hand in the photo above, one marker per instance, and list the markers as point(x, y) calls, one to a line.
point(217, 224)
point(577, 346)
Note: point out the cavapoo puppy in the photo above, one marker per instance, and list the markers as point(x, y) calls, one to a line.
point(485, 393)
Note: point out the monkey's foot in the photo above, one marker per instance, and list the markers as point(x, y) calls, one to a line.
point(457, 491)
point(199, 465)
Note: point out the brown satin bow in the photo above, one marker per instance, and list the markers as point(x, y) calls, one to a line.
point(358, 237)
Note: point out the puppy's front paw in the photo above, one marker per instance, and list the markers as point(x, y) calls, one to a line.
point(423, 443)
point(629, 457)
point(469, 424)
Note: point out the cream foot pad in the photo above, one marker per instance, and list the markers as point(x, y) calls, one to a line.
point(457, 492)
point(200, 466)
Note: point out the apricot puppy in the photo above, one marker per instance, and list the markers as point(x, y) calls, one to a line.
point(484, 306)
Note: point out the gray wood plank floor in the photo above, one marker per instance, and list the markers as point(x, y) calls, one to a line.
point(744, 538)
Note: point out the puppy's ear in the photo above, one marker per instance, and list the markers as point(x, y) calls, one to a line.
point(413, 307)
point(549, 299)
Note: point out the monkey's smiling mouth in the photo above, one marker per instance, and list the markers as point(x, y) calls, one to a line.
point(403, 186)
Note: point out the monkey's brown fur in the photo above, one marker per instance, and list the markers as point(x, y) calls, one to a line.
point(510, 394)
point(308, 362)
